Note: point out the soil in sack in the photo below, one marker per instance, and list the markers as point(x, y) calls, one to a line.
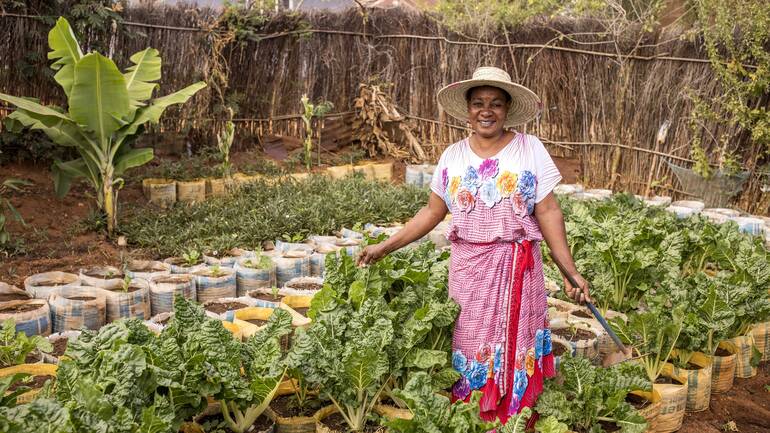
point(559, 349)
point(286, 406)
point(20, 308)
point(265, 296)
point(578, 335)
point(336, 423)
point(223, 307)
point(36, 383)
point(582, 314)
point(216, 423)
point(12, 293)
point(59, 347)
point(306, 286)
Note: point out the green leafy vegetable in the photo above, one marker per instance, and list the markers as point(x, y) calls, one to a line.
point(15, 346)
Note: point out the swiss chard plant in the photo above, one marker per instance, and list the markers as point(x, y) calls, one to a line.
point(108, 384)
point(707, 318)
point(652, 335)
point(584, 395)
point(106, 110)
point(15, 346)
point(623, 251)
point(433, 412)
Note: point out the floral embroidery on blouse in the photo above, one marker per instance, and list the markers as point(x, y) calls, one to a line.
point(490, 186)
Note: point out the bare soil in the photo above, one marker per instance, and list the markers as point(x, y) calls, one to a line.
point(747, 404)
point(130, 289)
point(263, 423)
point(266, 297)
point(37, 382)
point(258, 322)
point(32, 357)
point(337, 423)
point(53, 238)
point(5, 297)
point(306, 286)
point(59, 347)
point(301, 310)
point(722, 352)
point(583, 314)
point(558, 350)
point(81, 298)
point(222, 307)
point(20, 308)
point(580, 334)
point(287, 407)
point(637, 402)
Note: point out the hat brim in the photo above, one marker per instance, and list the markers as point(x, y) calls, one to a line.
point(524, 107)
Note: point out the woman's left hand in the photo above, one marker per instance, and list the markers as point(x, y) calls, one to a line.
point(581, 293)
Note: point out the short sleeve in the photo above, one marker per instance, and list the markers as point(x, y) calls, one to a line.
point(547, 174)
point(438, 182)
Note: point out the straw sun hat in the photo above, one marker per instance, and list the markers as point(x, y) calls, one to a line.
point(524, 103)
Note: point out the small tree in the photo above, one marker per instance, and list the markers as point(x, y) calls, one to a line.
point(106, 110)
point(224, 143)
point(310, 111)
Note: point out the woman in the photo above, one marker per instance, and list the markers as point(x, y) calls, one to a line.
point(498, 186)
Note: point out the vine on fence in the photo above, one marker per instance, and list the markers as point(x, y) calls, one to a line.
point(734, 33)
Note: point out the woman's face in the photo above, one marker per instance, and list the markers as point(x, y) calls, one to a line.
point(487, 110)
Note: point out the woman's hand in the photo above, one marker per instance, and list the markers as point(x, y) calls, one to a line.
point(581, 293)
point(371, 254)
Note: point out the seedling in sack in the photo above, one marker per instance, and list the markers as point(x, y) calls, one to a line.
point(191, 257)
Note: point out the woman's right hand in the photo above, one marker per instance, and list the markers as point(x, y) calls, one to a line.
point(371, 254)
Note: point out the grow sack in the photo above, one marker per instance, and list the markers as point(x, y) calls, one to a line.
point(715, 191)
point(33, 370)
point(287, 268)
point(585, 347)
point(229, 258)
point(73, 308)
point(743, 349)
point(723, 369)
point(134, 303)
point(297, 286)
point(673, 401)
point(161, 192)
point(193, 191)
point(12, 293)
point(163, 288)
point(698, 382)
point(392, 412)
point(338, 172)
point(652, 410)
point(761, 334)
point(216, 187)
point(178, 266)
point(247, 279)
point(41, 285)
point(212, 288)
point(105, 277)
point(147, 269)
point(382, 171)
point(32, 317)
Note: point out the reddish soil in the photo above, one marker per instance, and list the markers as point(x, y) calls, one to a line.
point(286, 406)
point(747, 404)
point(37, 382)
point(337, 423)
point(222, 307)
point(569, 168)
point(258, 322)
point(53, 238)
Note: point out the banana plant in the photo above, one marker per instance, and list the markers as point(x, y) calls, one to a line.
point(105, 112)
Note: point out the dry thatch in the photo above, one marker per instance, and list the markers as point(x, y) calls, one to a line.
point(600, 106)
